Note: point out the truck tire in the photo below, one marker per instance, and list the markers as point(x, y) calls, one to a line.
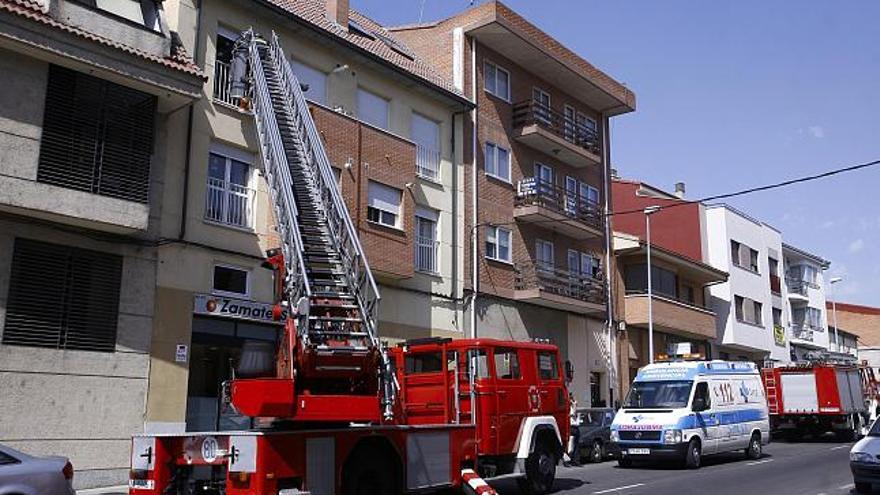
point(540, 469)
point(862, 487)
point(754, 450)
point(597, 452)
point(370, 472)
point(694, 455)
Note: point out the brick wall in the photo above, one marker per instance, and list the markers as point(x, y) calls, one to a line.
point(863, 321)
point(382, 157)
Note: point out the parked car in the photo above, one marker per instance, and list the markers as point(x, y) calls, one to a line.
point(864, 460)
point(591, 435)
point(22, 474)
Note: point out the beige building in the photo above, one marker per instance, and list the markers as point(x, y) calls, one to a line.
point(93, 98)
point(392, 128)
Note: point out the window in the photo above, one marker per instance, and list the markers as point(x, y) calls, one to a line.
point(569, 122)
point(372, 108)
point(777, 317)
point(748, 311)
point(498, 244)
point(548, 368)
point(7, 459)
point(544, 174)
point(143, 13)
point(230, 281)
point(701, 395)
point(62, 297)
point(429, 362)
point(97, 136)
point(480, 361)
point(584, 264)
point(807, 317)
point(663, 281)
point(383, 204)
point(506, 364)
point(497, 162)
point(497, 81)
point(743, 256)
point(228, 199)
point(314, 79)
point(773, 266)
point(426, 134)
point(426, 240)
point(689, 294)
point(544, 257)
point(590, 194)
point(222, 66)
point(542, 110)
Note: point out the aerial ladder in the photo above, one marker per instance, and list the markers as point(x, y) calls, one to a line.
point(331, 364)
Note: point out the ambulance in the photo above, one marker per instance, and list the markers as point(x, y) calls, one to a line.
point(684, 410)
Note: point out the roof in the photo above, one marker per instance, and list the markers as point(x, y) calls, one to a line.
point(639, 246)
point(688, 370)
point(382, 45)
point(177, 60)
point(855, 308)
point(804, 254)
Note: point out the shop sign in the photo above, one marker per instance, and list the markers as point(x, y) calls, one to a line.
point(239, 309)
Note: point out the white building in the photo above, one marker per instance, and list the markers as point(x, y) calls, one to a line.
point(805, 298)
point(751, 313)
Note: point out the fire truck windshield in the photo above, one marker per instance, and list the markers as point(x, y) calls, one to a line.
point(653, 395)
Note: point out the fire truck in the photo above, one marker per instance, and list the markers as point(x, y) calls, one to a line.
point(819, 396)
point(339, 412)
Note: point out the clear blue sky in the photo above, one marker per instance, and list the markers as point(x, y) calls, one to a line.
point(736, 94)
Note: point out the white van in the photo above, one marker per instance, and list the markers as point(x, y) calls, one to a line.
point(684, 410)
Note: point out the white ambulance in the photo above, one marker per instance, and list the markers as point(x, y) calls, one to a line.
point(685, 410)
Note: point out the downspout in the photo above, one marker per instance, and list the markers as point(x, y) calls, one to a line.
point(456, 287)
point(606, 185)
point(474, 230)
point(184, 209)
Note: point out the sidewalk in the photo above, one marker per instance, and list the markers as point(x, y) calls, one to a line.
point(107, 490)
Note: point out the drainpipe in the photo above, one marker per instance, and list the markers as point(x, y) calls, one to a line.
point(474, 231)
point(606, 185)
point(184, 210)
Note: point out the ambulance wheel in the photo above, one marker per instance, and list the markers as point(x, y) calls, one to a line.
point(754, 451)
point(540, 470)
point(862, 487)
point(693, 457)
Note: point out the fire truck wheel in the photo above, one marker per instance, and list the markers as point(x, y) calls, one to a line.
point(540, 470)
point(753, 451)
point(370, 473)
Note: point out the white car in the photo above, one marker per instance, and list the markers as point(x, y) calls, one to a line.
point(864, 460)
point(21, 474)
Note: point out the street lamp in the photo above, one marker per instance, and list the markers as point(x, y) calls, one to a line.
point(834, 311)
point(648, 212)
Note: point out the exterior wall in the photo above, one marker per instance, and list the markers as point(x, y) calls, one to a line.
point(815, 299)
point(677, 229)
point(862, 321)
point(738, 338)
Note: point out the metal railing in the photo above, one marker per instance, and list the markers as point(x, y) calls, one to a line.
point(670, 297)
point(223, 83)
point(531, 112)
point(533, 191)
point(427, 163)
point(228, 203)
point(560, 282)
point(802, 331)
point(796, 286)
point(426, 254)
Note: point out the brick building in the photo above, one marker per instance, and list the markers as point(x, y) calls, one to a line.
point(857, 325)
point(535, 184)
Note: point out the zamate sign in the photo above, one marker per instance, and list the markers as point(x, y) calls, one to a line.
point(779, 334)
point(239, 309)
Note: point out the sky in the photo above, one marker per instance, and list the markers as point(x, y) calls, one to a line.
point(735, 94)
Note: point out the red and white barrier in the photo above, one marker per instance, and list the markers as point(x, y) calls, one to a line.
point(475, 485)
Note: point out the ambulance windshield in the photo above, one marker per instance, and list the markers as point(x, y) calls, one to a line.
point(654, 395)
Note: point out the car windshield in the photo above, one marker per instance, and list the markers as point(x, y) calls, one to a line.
point(652, 395)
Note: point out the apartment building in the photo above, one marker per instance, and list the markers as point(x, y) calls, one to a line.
point(392, 127)
point(805, 297)
point(92, 98)
point(856, 326)
point(683, 320)
point(752, 313)
point(535, 184)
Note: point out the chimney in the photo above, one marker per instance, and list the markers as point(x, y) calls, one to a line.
point(679, 190)
point(337, 11)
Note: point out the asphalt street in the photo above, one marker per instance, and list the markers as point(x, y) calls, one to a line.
point(813, 468)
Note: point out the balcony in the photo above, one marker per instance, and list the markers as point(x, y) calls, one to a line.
point(223, 84)
point(803, 334)
point(426, 255)
point(548, 131)
point(670, 315)
point(427, 163)
point(798, 290)
point(552, 207)
point(229, 203)
point(559, 289)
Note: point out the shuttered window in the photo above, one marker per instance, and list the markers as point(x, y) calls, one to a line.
point(97, 136)
point(62, 297)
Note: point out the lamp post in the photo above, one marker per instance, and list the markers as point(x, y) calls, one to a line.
point(648, 212)
point(834, 311)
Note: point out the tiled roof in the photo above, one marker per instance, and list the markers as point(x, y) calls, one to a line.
point(313, 12)
point(34, 11)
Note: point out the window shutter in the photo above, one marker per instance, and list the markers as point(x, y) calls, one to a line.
point(97, 136)
point(383, 197)
point(62, 297)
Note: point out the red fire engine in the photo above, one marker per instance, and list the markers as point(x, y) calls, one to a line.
point(818, 397)
point(341, 412)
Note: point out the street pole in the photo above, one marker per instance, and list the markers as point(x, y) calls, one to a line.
point(834, 310)
point(648, 211)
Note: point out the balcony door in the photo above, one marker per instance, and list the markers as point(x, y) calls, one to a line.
point(570, 117)
point(571, 196)
point(544, 182)
point(544, 256)
point(542, 106)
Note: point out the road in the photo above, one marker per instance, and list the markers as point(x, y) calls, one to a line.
point(814, 468)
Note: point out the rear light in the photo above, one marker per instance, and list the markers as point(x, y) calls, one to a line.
point(68, 471)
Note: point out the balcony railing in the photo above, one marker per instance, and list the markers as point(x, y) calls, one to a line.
point(426, 254)
point(531, 112)
point(560, 282)
point(802, 331)
point(427, 163)
point(661, 295)
point(533, 191)
point(796, 286)
point(228, 203)
point(223, 83)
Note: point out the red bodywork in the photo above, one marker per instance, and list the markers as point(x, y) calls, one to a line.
point(830, 399)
